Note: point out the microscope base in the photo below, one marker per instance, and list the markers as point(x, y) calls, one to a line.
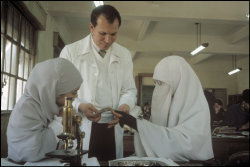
point(71, 156)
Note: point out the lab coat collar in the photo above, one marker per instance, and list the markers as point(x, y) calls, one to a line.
point(114, 57)
point(85, 45)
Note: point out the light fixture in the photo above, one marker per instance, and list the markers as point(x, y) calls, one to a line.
point(235, 70)
point(247, 15)
point(98, 3)
point(238, 69)
point(200, 46)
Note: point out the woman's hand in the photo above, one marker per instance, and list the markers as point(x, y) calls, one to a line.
point(124, 118)
point(124, 107)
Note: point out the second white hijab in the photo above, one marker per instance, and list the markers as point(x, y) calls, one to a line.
point(180, 127)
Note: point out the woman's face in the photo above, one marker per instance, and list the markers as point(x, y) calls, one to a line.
point(60, 99)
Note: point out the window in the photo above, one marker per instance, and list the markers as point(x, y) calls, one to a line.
point(17, 53)
point(139, 87)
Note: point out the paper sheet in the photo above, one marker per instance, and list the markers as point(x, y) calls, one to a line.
point(50, 162)
point(164, 160)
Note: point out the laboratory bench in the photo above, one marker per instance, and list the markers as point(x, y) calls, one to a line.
point(223, 148)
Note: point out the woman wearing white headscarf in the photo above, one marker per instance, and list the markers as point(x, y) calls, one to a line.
point(180, 119)
point(30, 133)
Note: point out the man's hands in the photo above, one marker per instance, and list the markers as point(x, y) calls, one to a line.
point(115, 119)
point(124, 108)
point(89, 111)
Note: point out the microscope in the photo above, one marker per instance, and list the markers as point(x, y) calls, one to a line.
point(71, 131)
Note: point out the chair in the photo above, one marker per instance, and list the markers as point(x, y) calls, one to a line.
point(4, 124)
point(238, 159)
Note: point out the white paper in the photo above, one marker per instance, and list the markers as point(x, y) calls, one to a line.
point(5, 162)
point(50, 162)
point(46, 162)
point(164, 160)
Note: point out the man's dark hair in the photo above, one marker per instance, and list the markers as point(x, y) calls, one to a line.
point(210, 99)
point(108, 11)
point(245, 95)
point(218, 101)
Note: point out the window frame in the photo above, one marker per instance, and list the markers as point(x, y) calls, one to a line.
point(29, 49)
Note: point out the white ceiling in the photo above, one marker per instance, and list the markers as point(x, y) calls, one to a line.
point(168, 27)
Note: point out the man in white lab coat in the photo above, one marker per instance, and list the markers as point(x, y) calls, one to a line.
point(107, 71)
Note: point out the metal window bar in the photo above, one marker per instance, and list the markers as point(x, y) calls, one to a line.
point(27, 35)
point(22, 20)
point(15, 76)
point(12, 22)
point(4, 17)
point(17, 43)
point(18, 52)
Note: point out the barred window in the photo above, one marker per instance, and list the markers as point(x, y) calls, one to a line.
point(17, 53)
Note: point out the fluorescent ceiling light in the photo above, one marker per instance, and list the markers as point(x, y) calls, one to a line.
point(247, 15)
point(98, 3)
point(234, 71)
point(201, 47)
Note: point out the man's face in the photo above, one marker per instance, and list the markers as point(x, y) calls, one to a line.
point(104, 34)
point(245, 106)
point(217, 107)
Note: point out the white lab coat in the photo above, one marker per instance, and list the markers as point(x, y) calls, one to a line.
point(120, 73)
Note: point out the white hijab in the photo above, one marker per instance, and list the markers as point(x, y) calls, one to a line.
point(28, 135)
point(180, 127)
